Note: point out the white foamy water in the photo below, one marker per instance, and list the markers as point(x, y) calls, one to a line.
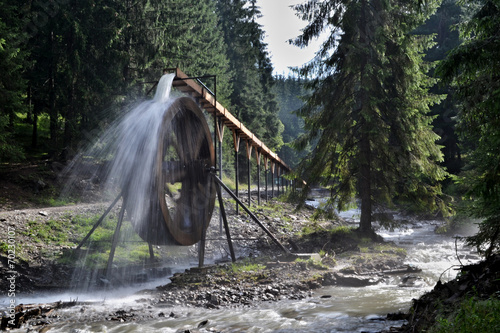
point(164, 87)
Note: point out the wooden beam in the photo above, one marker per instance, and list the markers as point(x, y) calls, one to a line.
point(220, 130)
point(236, 141)
point(249, 149)
point(188, 85)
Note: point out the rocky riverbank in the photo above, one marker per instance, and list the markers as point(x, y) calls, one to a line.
point(333, 255)
point(475, 292)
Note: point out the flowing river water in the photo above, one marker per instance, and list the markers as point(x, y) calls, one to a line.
point(330, 309)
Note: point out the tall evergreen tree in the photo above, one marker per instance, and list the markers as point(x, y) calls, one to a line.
point(473, 68)
point(442, 24)
point(369, 105)
point(252, 99)
point(186, 34)
point(13, 56)
point(77, 66)
point(288, 93)
point(90, 56)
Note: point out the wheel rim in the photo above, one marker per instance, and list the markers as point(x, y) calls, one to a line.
point(184, 187)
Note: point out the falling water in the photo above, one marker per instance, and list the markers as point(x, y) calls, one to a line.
point(130, 144)
point(163, 90)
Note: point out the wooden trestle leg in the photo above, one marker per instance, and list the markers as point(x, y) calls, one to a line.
point(115, 242)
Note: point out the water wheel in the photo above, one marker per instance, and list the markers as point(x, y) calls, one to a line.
point(182, 190)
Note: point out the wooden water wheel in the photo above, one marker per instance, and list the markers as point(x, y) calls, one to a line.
point(182, 189)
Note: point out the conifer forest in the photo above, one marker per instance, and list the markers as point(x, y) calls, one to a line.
point(399, 109)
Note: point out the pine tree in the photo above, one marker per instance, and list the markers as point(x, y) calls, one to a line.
point(186, 34)
point(369, 106)
point(13, 55)
point(77, 67)
point(442, 25)
point(90, 58)
point(473, 68)
point(288, 93)
point(252, 100)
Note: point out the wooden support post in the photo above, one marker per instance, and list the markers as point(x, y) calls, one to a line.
point(272, 179)
point(252, 215)
point(257, 157)
point(249, 156)
point(116, 236)
point(201, 246)
point(226, 225)
point(201, 250)
point(151, 253)
point(266, 175)
point(236, 140)
point(278, 178)
point(99, 221)
point(220, 136)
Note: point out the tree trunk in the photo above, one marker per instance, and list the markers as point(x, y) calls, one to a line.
point(364, 178)
point(34, 133)
point(53, 114)
point(364, 183)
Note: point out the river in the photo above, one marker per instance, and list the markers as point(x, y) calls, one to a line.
point(330, 309)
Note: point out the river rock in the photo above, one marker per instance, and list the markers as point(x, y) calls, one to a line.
point(352, 280)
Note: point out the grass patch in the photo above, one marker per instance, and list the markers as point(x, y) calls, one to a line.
point(4, 249)
point(342, 230)
point(312, 228)
point(50, 232)
point(472, 315)
point(68, 232)
point(131, 248)
point(246, 266)
point(312, 263)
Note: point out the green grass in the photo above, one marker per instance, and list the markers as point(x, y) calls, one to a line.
point(68, 232)
point(472, 315)
point(246, 266)
point(23, 134)
point(19, 255)
point(342, 230)
point(50, 232)
point(130, 250)
point(315, 264)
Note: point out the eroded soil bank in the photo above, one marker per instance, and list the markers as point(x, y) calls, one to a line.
point(478, 282)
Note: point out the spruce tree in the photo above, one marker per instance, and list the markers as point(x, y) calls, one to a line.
point(188, 36)
point(446, 38)
point(252, 100)
point(13, 56)
point(288, 93)
point(369, 106)
point(473, 68)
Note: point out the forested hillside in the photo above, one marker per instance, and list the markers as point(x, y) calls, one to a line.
point(369, 118)
point(69, 67)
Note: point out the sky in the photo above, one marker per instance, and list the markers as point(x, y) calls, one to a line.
point(281, 24)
